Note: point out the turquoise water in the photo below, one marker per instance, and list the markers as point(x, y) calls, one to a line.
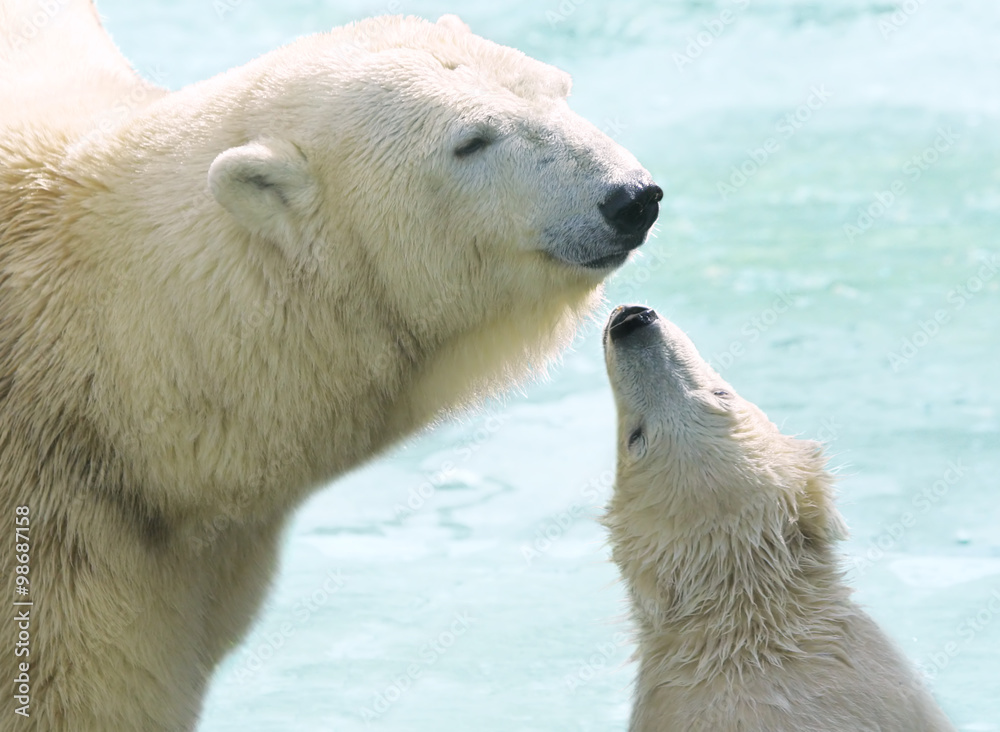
point(846, 279)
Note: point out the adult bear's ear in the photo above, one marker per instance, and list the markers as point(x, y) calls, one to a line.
point(454, 22)
point(267, 187)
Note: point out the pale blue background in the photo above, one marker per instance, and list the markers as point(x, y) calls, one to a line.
point(539, 645)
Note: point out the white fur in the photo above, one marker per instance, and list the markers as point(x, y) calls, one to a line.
point(724, 531)
point(239, 291)
point(57, 63)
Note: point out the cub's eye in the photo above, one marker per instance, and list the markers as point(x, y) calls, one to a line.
point(471, 145)
point(635, 438)
point(722, 393)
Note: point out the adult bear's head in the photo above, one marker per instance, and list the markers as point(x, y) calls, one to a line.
point(293, 264)
point(436, 170)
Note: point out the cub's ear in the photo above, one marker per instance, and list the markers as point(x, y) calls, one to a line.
point(267, 187)
point(818, 517)
point(454, 22)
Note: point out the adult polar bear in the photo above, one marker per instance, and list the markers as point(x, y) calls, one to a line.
point(244, 289)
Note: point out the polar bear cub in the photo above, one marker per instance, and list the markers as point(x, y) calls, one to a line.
point(724, 532)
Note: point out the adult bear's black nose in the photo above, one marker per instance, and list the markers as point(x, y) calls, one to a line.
point(631, 210)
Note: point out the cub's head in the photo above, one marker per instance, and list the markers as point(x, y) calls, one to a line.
point(448, 165)
point(696, 459)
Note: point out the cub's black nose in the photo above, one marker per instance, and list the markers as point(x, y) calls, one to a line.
point(631, 210)
point(627, 319)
